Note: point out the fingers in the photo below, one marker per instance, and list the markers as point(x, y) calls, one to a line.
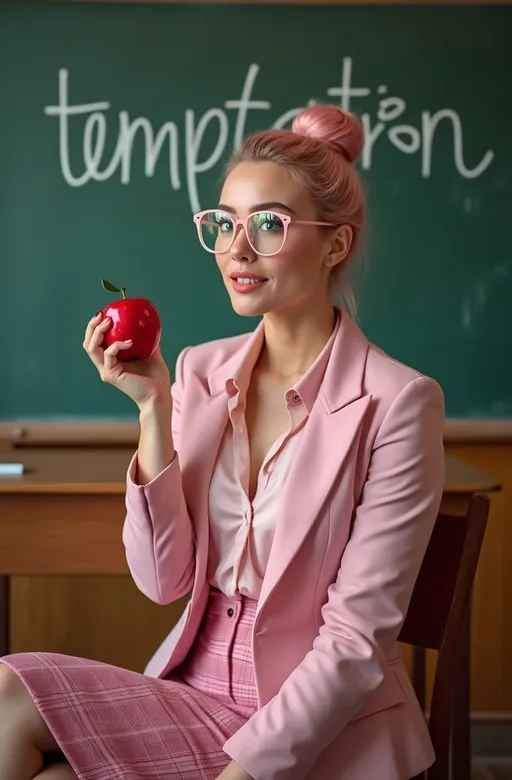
point(90, 328)
point(110, 358)
point(93, 344)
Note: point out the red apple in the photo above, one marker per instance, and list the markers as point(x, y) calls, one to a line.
point(132, 318)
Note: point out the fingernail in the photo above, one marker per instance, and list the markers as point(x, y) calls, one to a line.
point(100, 311)
point(128, 341)
point(107, 319)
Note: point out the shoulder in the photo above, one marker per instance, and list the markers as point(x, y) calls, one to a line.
point(382, 376)
point(386, 372)
point(397, 386)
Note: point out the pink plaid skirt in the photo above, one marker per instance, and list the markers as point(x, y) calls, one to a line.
point(114, 724)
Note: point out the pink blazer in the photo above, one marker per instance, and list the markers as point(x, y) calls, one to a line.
point(356, 515)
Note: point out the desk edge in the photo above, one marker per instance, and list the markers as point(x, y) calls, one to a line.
point(93, 433)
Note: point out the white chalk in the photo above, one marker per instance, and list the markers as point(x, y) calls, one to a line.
point(11, 469)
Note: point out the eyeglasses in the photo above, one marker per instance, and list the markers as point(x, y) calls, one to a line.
point(266, 231)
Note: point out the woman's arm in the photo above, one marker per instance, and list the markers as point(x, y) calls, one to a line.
point(156, 442)
point(366, 604)
point(157, 532)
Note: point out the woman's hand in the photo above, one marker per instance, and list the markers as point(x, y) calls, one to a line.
point(234, 771)
point(144, 381)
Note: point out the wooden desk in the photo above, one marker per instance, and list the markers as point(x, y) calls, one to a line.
point(65, 515)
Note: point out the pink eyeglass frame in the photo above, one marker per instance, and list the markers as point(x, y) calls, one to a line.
point(286, 220)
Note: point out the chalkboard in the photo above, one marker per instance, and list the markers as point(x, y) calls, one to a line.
point(116, 121)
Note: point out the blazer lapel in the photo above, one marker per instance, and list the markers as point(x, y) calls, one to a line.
point(327, 440)
point(205, 429)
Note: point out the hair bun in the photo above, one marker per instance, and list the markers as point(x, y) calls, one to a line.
point(340, 130)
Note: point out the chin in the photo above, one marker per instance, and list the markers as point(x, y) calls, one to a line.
point(249, 306)
point(246, 310)
point(253, 304)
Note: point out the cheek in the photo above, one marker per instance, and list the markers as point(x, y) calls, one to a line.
point(300, 261)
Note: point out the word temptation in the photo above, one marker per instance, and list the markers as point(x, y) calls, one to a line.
point(182, 148)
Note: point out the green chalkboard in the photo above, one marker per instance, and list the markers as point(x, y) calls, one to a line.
point(84, 194)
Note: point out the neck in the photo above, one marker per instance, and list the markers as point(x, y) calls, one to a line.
point(294, 339)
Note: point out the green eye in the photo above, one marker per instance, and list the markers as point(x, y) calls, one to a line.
point(223, 221)
point(268, 222)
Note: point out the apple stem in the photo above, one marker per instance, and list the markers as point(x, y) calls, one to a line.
point(123, 291)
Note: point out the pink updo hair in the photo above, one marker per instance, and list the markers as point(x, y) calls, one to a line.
point(319, 151)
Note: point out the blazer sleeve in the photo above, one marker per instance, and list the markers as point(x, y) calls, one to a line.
point(157, 531)
point(367, 603)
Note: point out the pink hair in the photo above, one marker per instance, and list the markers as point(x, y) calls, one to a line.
point(319, 151)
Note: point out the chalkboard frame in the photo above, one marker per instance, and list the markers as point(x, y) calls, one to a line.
point(294, 2)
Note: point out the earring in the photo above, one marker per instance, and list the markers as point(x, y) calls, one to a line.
point(329, 261)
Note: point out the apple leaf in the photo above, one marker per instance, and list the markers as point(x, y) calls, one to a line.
point(108, 286)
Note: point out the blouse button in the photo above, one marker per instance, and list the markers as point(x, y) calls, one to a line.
point(296, 398)
point(230, 612)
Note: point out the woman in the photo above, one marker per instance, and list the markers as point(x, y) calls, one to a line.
point(291, 483)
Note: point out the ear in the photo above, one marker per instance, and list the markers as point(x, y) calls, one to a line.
point(340, 245)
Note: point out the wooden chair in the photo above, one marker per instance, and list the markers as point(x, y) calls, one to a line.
point(437, 619)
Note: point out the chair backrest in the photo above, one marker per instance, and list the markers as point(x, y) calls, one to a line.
point(439, 608)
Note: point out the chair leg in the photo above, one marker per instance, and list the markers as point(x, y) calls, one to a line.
point(461, 738)
point(419, 682)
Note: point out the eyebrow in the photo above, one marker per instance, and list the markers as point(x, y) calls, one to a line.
point(274, 204)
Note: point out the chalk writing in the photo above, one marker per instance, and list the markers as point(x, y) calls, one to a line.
point(183, 147)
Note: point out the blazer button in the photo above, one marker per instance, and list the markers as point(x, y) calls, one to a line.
point(230, 612)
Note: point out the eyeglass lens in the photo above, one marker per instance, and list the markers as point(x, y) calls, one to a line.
point(265, 231)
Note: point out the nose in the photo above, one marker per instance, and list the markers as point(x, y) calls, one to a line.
point(241, 251)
